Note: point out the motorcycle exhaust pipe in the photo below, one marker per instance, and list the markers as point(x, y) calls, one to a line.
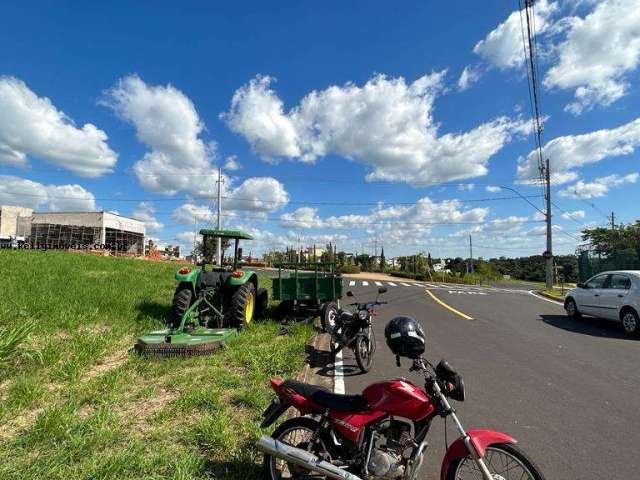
point(302, 458)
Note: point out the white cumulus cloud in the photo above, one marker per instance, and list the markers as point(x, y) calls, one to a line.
point(258, 194)
point(145, 212)
point(385, 124)
point(32, 126)
point(232, 163)
point(599, 51)
point(167, 122)
point(468, 77)
point(502, 47)
point(569, 152)
point(55, 198)
point(598, 187)
point(190, 213)
point(573, 215)
point(304, 217)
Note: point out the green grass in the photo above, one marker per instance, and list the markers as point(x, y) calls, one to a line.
point(75, 405)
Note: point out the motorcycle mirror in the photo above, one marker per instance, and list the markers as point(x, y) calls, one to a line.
point(349, 293)
point(382, 290)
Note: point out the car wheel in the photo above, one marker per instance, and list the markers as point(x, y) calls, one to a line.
point(572, 309)
point(630, 322)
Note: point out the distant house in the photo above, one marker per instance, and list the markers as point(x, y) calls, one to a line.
point(441, 266)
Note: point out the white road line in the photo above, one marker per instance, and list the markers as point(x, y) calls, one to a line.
point(392, 284)
point(379, 284)
point(365, 283)
point(430, 285)
point(405, 284)
point(555, 302)
point(419, 285)
point(338, 374)
point(352, 283)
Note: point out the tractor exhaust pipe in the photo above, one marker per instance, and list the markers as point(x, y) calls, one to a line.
point(302, 458)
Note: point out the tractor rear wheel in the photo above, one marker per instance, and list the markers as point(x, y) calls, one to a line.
point(242, 306)
point(181, 302)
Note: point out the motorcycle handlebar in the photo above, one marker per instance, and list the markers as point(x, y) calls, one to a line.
point(357, 304)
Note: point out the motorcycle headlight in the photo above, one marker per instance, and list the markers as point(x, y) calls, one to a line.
point(363, 314)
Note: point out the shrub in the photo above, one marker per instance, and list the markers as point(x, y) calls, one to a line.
point(349, 269)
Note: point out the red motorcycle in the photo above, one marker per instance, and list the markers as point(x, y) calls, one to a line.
point(381, 434)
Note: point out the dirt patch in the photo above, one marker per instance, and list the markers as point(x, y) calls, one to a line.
point(139, 412)
point(109, 363)
point(20, 422)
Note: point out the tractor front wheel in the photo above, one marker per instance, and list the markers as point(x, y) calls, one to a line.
point(242, 306)
point(181, 302)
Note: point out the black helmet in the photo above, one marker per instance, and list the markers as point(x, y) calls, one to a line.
point(405, 337)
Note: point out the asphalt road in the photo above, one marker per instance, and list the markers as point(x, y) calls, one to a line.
point(567, 390)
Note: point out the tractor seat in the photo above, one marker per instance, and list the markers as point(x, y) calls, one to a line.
point(213, 279)
point(325, 398)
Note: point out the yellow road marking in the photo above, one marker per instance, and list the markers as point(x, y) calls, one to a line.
point(449, 307)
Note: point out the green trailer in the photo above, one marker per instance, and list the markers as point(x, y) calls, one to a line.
point(308, 289)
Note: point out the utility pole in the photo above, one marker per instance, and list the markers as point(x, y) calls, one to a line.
point(195, 237)
point(219, 240)
point(613, 221)
point(470, 254)
point(529, 45)
point(548, 252)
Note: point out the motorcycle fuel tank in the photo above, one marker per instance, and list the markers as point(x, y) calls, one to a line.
point(400, 398)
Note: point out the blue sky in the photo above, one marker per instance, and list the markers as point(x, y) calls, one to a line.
point(146, 100)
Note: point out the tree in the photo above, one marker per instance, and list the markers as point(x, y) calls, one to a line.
point(383, 260)
point(607, 241)
point(208, 250)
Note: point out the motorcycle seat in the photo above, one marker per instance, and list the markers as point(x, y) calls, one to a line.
point(325, 398)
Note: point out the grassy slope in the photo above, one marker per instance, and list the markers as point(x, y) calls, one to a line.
point(86, 409)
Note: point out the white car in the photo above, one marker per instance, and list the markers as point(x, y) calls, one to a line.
point(610, 295)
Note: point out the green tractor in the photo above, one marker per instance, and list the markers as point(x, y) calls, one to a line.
point(209, 304)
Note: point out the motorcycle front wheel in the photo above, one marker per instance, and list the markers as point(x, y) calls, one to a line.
point(364, 349)
point(505, 462)
point(296, 432)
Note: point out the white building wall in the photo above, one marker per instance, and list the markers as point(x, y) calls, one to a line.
point(12, 220)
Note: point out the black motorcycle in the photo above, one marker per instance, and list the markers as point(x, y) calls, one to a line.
point(355, 330)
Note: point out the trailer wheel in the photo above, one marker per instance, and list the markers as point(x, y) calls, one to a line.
point(181, 302)
point(242, 307)
point(328, 316)
point(285, 308)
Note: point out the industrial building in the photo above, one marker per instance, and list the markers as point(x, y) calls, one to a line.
point(15, 223)
point(120, 235)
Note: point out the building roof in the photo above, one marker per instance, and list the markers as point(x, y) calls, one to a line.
point(227, 234)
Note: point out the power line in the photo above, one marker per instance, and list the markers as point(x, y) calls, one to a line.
point(258, 200)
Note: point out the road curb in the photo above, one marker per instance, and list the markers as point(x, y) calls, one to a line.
point(550, 297)
point(318, 356)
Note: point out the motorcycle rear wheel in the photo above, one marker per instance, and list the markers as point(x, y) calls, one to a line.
point(295, 432)
point(504, 461)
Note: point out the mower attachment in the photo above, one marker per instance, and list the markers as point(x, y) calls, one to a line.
point(200, 341)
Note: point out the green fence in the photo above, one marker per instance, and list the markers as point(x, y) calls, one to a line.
point(590, 263)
